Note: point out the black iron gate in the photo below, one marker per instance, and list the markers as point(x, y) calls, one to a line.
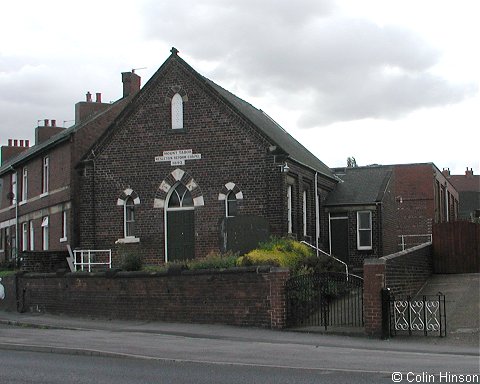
point(423, 315)
point(325, 299)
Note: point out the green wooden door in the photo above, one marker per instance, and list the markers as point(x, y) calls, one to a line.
point(180, 235)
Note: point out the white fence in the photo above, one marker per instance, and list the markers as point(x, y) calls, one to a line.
point(91, 258)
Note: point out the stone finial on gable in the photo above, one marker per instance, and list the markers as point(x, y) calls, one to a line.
point(174, 51)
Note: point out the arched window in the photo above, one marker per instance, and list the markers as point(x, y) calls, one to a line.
point(129, 217)
point(177, 111)
point(231, 204)
point(180, 198)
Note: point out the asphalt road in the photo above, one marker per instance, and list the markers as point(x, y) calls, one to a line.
point(140, 355)
point(35, 367)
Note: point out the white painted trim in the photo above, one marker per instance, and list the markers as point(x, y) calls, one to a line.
point(230, 185)
point(158, 203)
point(128, 191)
point(239, 195)
point(198, 201)
point(222, 196)
point(128, 240)
point(63, 239)
point(368, 247)
point(178, 174)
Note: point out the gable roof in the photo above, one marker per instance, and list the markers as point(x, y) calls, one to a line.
point(360, 185)
point(273, 130)
point(276, 134)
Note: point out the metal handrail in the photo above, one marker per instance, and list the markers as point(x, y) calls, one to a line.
point(89, 263)
point(402, 237)
point(329, 255)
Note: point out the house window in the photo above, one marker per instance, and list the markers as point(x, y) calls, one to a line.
point(364, 230)
point(45, 233)
point(304, 213)
point(25, 236)
point(129, 217)
point(32, 237)
point(24, 184)
point(45, 175)
point(289, 208)
point(13, 188)
point(177, 111)
point(180, 198)
point(64, 226)
point(231, 204)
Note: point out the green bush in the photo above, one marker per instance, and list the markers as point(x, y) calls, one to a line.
point(131, 262)
point(214, 260)
point(285, 252)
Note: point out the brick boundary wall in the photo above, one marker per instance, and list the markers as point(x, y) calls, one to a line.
point(43, 261)
point(403, 272)
point(241, 296)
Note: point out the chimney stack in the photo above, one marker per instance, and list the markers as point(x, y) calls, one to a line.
point(54, 123)
point(89, 97)
point(99, 97)
point(131, 83)
point(469, 172)
point(14, 148)
point(446, 172)
point(45, 123)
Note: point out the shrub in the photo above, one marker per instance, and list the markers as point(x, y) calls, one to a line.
point(131, 262)
point(214, 260)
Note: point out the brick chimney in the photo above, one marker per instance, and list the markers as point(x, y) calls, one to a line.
point(14, 148)
point(86, 109)
point(446, 172)
point(469, 172)
point(46, 131)
point(131, 83)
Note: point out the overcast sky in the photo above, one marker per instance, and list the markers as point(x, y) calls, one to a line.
point(381, 80)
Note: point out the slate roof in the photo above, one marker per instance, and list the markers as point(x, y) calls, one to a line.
point(51, 141)
point(274, 131)
point(359, 185)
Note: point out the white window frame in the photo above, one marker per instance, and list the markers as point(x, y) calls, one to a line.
point(13, 188)
point(64, 226)
point(32, 236)
point(45, 175)
point(305, 213)
point(45, 234)
point(24, 184)
point(364, 247)
point(125, 220)
point(177, 111)
point(25, 236)
point(289, 209)
point(227, 210)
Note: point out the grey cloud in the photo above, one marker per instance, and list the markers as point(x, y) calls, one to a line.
point(349, 68)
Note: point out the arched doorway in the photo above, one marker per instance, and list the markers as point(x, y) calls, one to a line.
point(179, 224)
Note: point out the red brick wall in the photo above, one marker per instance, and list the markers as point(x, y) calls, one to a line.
point(404, 273)
point(247, 297)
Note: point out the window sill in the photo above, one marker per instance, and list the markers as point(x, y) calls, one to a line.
point(22, 202)
point(364, 248)
point(44, 194)
point(63, 239)
point(128, 240)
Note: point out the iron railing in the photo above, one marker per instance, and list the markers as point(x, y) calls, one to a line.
point(410, 241)
point(325, 299)
point(418, 315)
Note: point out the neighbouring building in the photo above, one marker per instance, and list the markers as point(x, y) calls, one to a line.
point(361, 214)
point(381, 209)
point(39, 184)
point(468, 187)
point(189, 168)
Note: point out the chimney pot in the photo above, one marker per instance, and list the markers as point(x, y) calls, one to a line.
point(99, 97)
point(45, 123)
point(15, 143)
point(9, 142)
point(54, 123)
point(89, 97)
point(21, 143)
point(27, 143)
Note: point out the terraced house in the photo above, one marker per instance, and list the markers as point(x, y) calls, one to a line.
point(38, 199)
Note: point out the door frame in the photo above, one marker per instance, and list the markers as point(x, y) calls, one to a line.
point(330, 218)
point(165, 220)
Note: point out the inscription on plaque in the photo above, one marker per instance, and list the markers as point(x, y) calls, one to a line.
point(178, 157)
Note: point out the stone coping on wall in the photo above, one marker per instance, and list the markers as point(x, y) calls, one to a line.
point(406, 251)
point(111, 273)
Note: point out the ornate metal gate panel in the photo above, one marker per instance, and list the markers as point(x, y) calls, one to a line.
point(424, 315)
point(325, 299)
